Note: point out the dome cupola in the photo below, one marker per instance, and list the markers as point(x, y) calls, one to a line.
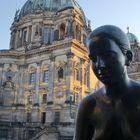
point(39, 6)
point(42, 23)
point(132, 38)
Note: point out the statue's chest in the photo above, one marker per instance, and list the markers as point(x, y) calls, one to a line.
point(114, 116)
point(103, 112)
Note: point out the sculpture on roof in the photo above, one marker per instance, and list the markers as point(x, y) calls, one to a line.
point(17, 15)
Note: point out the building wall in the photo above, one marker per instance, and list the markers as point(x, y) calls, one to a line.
point(44, 75)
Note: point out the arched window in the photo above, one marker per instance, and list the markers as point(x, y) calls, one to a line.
point(78, 33)
point(32, 78)
point(76, 97)
point(43, 118)
point(84, 39)
point(24, 36)
point(29, 99)
point(46, 76)
point(62, 31)
point(77, 74)
point(29, 117)
point(60, 73)
point(49, 35)
point(36, 30)
point(85, 77)
point(46, 37)
point(57, 117)
point(44, 98)
point(32, 75)
point(12, 42)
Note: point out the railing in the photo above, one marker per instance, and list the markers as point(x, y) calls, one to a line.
point(4, 51)
point(32, 124)
point(20, 124)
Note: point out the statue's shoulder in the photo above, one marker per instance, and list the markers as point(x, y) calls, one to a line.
point(135, 85)
point(95, 94)
point(91, 99)
point(101, 92)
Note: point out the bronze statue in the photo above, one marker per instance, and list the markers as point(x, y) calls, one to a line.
point(113, 111)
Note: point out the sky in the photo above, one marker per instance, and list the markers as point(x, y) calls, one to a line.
point(122, 13)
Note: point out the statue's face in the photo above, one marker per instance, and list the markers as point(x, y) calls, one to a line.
point(108, 61)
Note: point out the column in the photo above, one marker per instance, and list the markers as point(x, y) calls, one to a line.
point(20, 38)
point(37, 83)
point(32, 33)
point(82, 77)
point(16, 39)
point(23, 82)
point(1, 83)
point(50, 94)
point(12, 41)
point(74, 30)
point(29, 34)
point(68, 75)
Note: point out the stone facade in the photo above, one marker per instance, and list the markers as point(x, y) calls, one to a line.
point(134, 68)
point(45, 73)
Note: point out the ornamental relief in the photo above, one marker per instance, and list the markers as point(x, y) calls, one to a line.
point(9, 74)
point(32, 68)
point(77, 89)
point(10, 70)
point(8, 85)
point(77, 65)
point(60, 88)
point(60, 91)
point(59, 97)
point(60, 63)
point(72, 63)
point(43, 91)
point(59, 94)
point(60, 72)
point(45, 66)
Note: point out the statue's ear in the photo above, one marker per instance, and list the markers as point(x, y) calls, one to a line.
point(129, 57)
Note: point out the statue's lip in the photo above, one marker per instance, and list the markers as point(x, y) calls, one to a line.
point(104, 77)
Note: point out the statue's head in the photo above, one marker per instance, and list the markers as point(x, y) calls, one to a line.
point(109, 51)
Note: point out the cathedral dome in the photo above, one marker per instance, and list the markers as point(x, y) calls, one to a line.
point(38, 6)
point(132, 38)
point(41, 22)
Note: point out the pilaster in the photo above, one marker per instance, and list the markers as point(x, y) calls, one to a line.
point(70, 55)
point(50, 95)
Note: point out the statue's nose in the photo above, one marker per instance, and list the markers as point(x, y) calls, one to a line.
point(100, 62)
point(101, 66)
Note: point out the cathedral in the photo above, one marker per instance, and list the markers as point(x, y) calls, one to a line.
point(134, 68)
point(46, 71)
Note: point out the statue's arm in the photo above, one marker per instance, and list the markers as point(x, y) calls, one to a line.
point(84, 129)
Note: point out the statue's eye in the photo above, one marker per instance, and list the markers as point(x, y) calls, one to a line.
point(94, 59)
point(109, 55)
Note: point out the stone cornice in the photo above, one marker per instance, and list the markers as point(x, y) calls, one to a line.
point(9, 53)
point(44, 49)
point(49, 48)
point(81, 48)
